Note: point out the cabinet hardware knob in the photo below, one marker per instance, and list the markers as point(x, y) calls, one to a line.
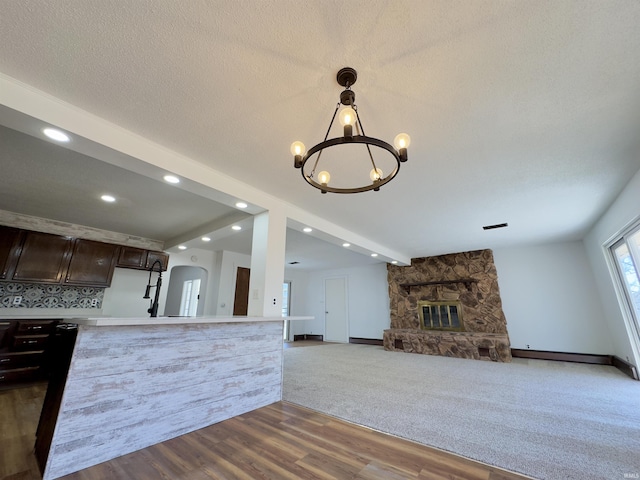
point(32, 341)
point(2, 377)
point(35, 327)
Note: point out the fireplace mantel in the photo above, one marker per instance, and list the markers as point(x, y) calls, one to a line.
point(465, 281)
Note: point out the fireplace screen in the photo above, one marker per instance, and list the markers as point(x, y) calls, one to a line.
point(440, 316)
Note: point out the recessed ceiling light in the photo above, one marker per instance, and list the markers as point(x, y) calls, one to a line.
point(56, 135)
point(171, 179)
point(374, 254)
point(181, 247)
point(241, 205)
point(206, 239)
point(394, 262)
point(346, 245)
point(236, 228)
point(307, 230)
point(108, 198)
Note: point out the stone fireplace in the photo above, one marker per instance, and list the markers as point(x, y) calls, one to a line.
point(448, 305)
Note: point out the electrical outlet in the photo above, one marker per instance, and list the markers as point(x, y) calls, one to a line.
point(527, 345)
point(274, 301)
point(17, 300)
point(94, 302)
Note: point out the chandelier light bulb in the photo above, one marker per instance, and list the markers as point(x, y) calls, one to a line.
point(297, 148)
point(324, 177)
point(347, 116)
point(402, 140)
point(376, 174)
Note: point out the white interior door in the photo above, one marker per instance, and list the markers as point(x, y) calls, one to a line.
point(336, 327)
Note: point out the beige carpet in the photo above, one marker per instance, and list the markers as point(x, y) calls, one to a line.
point(549, 420)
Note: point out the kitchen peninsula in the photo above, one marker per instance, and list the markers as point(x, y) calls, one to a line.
point(135, 382)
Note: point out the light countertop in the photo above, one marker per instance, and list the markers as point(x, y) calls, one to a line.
point(145, 321)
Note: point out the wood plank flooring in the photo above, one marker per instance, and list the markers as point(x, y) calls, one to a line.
point(19, 415)
point(280, 441)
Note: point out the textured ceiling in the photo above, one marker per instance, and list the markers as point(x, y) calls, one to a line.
point(519, 112)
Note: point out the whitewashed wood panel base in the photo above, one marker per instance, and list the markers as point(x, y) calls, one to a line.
point(132, 387)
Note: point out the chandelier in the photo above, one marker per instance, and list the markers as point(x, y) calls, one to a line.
point(350, 120)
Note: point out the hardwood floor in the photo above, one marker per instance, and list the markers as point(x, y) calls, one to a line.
point(280, 441)
point(19, 415)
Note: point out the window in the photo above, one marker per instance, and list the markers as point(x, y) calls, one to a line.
point(626, 253)
point(190, 297)
point(286, 306)
point(286, 289)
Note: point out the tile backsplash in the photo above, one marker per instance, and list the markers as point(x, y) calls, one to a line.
point(34, 295)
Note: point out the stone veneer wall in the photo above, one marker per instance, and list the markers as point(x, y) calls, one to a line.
point(485, 334)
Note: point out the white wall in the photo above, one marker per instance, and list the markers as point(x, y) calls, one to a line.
point(124, 297)
point(367, 300)
point(624, 211)
point(550, 299)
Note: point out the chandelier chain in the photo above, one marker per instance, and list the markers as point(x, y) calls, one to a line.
point(325, 139)
point(359, 128)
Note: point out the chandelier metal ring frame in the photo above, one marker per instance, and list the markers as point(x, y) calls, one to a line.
point(347, 77)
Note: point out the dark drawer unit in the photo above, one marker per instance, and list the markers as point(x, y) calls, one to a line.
point(13, 360)
point(35, 327)
point(19, 375)
point(5, 330)
point(29, 342)
point(24, 348)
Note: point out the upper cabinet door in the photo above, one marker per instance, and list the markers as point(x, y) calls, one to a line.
point(43, 258)
point(9, 250)
point(131, 257)
point(153, 256)
point(92, 263)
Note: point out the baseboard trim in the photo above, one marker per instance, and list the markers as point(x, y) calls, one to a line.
point(625, 367)
point(366, 341)
point(308, 336)
point(622, 365)
point(562, 356)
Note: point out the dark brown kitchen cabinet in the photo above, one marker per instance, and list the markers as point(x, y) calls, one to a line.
point(92, 263)
point(140, 259)
point(24, 348)
point(131, 257)
point(153, 256)
point(10, 239)
point(36, 257)
point(43, 258)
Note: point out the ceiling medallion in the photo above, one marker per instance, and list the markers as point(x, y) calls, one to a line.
point(349, 118)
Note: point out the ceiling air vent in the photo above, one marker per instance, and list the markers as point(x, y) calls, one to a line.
point(497, 225)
